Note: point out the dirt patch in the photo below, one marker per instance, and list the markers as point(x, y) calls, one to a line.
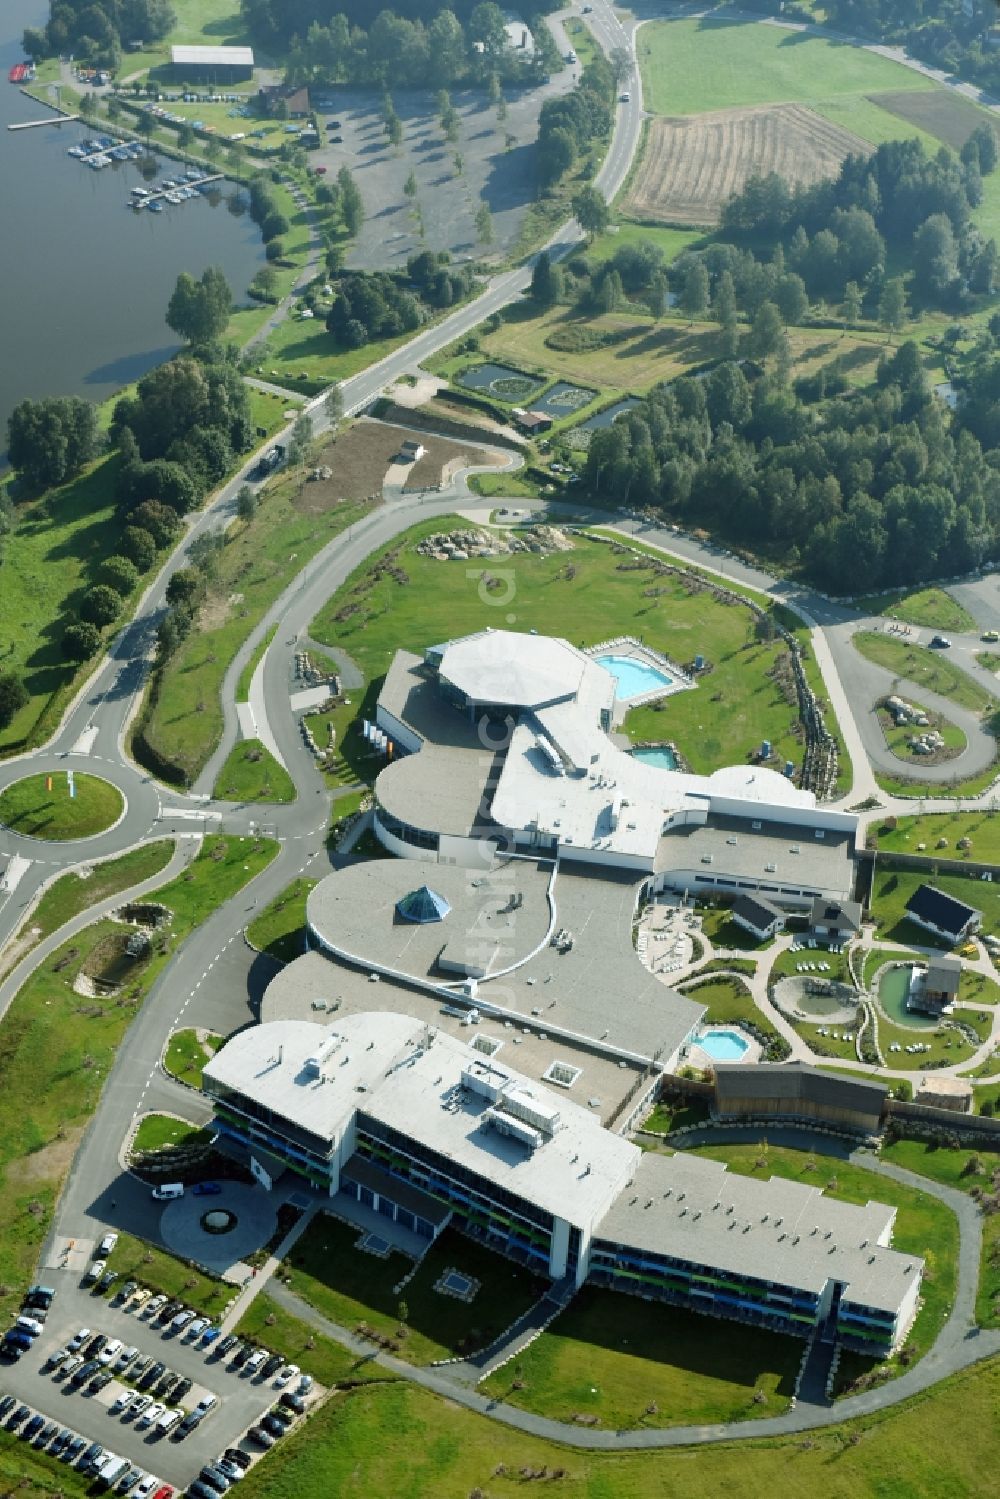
point(51, 1163)
point(214, 612)
point(940, 112)
point(360, 457)
point(691, 166)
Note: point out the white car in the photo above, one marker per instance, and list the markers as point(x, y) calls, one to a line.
point(288, 1373)
point(625, 96)
point(197, 1327)
point(30, 1325)
point(110, 1352)
point(255, 1362)
point(153, 1413)
point(77, 1341)
point(95, 1270)
point(139, 1404)
point(106, 1245)
point(147, 1485)
point(122, 1402)
point(152, 1307)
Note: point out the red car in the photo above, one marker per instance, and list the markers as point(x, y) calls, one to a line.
point(164, 1492)
point(320, 171)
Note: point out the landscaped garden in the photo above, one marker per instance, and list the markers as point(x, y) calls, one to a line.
point(188, 1051)
point(271, 1326)
point(280, 929)
point(939, 834)
point(136, 1259)
point(61, 806)
point(252, 774)
point(164, 1132)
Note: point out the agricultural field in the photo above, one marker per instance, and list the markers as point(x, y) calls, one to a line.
point(690, 167)
point(939, 112)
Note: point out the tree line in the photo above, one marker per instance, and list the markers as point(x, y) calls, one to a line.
point(96, 30)
point(406, 45)
point(949, 34)
point(382, 304)
point(858, 488)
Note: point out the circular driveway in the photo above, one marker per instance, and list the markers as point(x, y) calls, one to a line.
point(256, 1219)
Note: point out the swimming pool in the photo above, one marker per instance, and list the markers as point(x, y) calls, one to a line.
point(893, 987)
point(633, 677)
point(722, 1045)
point(661, 757)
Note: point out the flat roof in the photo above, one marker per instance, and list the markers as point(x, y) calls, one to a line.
point(408, 1077)
point(728, 845)
point(508, 667)
point(440, 790)
point(314, 980)
point(692, 1208)
point(214, 56)
point(596, 991)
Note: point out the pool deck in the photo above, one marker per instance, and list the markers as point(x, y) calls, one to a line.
point(697, 1056)
point(629, 648)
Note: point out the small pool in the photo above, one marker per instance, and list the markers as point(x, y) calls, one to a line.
point(893, 987)
point(662, 758)
point(633, 677)
point(723, 1046)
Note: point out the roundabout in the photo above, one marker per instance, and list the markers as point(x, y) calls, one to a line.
point(242, 1220)
point(61, 806)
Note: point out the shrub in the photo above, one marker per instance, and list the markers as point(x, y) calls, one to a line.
point(100, 605)
point(81, 641)
point(139, 544)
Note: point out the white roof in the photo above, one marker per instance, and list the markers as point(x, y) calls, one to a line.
point(406, 1075)
point(521, 671)
point(214, 56)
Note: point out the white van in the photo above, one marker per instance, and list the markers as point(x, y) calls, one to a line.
point(167, 1421)
point(168, 1191)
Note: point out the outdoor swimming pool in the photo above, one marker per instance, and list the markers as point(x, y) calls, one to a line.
point(633, 677)
point(893, 988)
point(723, 1046)
point(662, 758)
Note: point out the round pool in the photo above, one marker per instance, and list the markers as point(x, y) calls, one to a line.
point(633, 677)
point(893, 987)
point(723, 1045)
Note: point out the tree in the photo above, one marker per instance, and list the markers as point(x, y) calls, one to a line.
point(333, 405)
point(100, 605)
point(892, 308)
point(81, 641)
point(50, 440)
point(264, 283)
point(13, 697)
point(199, 311)
point(184, 585)
point(119, 573)
point(352, 209)
point(546, 281)
point(655, 296)
point(610, 293)
point(935, 258)
point(591, 211)
point(246, 504)
point(791, 299)
point(275, 250)
point(410, 186)
point(484, 224)
point(302, 436)
point(394, 129)
point(693, 298)
point(766, 333)
point(852, 304)
point(138, 544)
point(555, 154)
point(727, 392)
point(158, 519)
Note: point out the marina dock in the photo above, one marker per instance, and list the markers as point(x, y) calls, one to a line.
point(34, 124)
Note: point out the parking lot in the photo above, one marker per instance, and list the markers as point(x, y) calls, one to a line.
point(241, 1399)
point(497, 168)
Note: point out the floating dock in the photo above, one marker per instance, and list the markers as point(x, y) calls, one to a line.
point(34, 124)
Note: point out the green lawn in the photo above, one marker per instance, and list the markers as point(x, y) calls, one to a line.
point(923, 1225)
point(159, 1131)
point(268, 1324)
point(981, 827)
point(350, 1287)
point(75, 892)
point(585, 596)
point(135, 1259)
point(634, 1363)
point(927, 668)
point(280, 928)
point(689, 67)
point(728, 1002)
point(186, 1054)
point(37, 809)
point(719, 927)
point(930, 607)
point(182, 720)
point(58, 1050)
point(252, 774)
point(893, 888)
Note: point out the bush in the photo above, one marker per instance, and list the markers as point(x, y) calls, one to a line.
point(80, 641)
point(13, 697)
point(119, 573)
point(100, 605)
point(275, 249)
point(139, 545)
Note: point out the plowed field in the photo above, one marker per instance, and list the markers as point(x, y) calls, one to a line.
point(691, 166)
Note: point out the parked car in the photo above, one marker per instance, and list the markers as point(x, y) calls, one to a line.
point(93, 1456)
point(178, 1323)
point(228, 1343)
point(210, 1335)
point(15, 1343)
point(153, 1306)
point(73, 1448)
point(42, 1297)
point(30, 1325)
point(293, 1402)
point(940, 643)
point(235, 1455)
point(151, 1414)
point(206, 1189)
point(94, 1271)
point(46, 1434)
point(255, 1363)
point(273, 1425)
point(288, 1373)
point(231, 1470)
point(215, 1478)
point(181, 1389)
point(195, 1328)
point(305, 1384)
point(125, 1358)
point(272, 1365)
point(7, 1404)
point(145, 1487)
point(151, 1375)
point(78, 1339)
point(100, 1381)
point(94, 1345)
point(21, 1414)
point(164, 1492)
point(282, 1415)
point(106, 1246)
point(241, 1355)
point(110, 1352)
point(168, 1421)
point(71, 1365)
point(107, 1280)
point(56, 1357)
point(140, 1403)
point(260, 1436)
point(63, 1438)
point(199, 1490)
point(140, 1298)
point(128, 1480)
point(122, 1402)
point(86, 1371)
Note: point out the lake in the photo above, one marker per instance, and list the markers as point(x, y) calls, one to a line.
point(85, 281)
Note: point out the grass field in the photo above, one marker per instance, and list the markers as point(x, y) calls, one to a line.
point(269, 1325)
point(246, 675)
point(30, 808)
point(585, 596)
point(58, 1050)
point(187, 1054)
point(396, 1439)
point(939, 112)
point(691, 66)
point(892, 889)
point(728, 1002)
point(930, 607)
point(184, 720)
point(982, 828)
point(633, 1363)
point(923, 1225)
point(898, 737)
point(350, 1287)
point(135, 1259)
point(280, 928)
point(78, 891)
point(252, 774)
point(158, 1131)
point(926, 668)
